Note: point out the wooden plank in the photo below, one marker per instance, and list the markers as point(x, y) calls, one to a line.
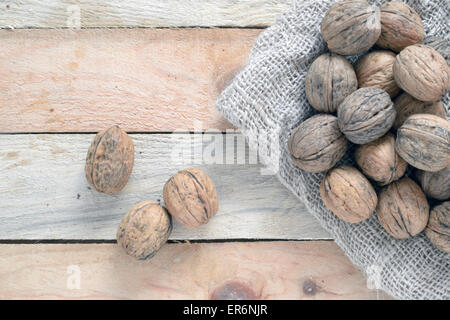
point(44, 193)
point(140, 13)
point(142, 79)
point(263, 270)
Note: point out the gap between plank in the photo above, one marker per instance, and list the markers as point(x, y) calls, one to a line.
point(129, 132)
point(135, 27)
point(95, 241)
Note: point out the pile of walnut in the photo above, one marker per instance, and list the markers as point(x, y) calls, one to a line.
point(356, 105)
point(190, 195)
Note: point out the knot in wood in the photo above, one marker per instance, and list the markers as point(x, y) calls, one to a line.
point(234, 290)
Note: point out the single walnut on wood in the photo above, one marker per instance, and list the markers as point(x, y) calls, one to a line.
point(348, 194)
point(375, 70)
point(401, 26)
point(422, 72)
point(438, 228)
point(351, 27)
point(144, 229)
point(435, 184)
point(366, 115)
point(317, 144)
point(329, 80)
point(424, 142)
point(109, 160)
point(406, 106)
point(379, 160)
point(191, 197)
point(403, 209)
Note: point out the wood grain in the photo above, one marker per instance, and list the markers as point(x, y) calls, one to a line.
point(262, 270)
point(44, 193)
point(140, 13)
point(142, 79)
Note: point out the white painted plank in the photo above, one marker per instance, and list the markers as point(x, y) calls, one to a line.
point(140, 13)
point(44, 194)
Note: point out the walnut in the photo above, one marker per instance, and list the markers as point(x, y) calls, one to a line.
point(435, 184)
point(438, 228)
point(191, 197)
point(424, 142)
point(348, 194)
point(329, 80)
point(401, 26)
point(440, 45)
point(379, 160)
point(144, 229)
point(351, 27)
point(109, 160)
point(366, 115)
point(375, 70)
point(422, 72)
point(402, 209)
point(405, 105)
point(317, 144)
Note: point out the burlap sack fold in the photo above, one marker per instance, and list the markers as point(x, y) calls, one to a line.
point(266, 100)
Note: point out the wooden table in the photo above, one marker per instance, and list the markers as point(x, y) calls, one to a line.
point(130, 65)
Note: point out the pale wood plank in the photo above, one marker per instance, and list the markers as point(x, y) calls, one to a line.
point(140, 13)
point(44, 193)
point(271, 270)
point(142, 79)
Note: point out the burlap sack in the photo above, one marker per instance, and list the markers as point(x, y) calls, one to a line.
point(266, 100)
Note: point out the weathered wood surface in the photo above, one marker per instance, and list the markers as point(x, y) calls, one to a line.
point(146, 81)
point(139, 13)
point(264, 270)
point(142, 79)
point(44, 193)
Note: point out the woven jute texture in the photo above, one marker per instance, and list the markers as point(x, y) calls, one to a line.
point(266, 100)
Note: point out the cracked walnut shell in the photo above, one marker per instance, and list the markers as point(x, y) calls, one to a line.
point(109, 160)
point(191, 197)
point(375, 70)
point(329, 80)
point(422, 72)
point(144, 229)
point(401, 26)
point(351, 27)
point(402, 209)
point(379, 160)
point(348, 194)
point(438, 228)
point(317, 144)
